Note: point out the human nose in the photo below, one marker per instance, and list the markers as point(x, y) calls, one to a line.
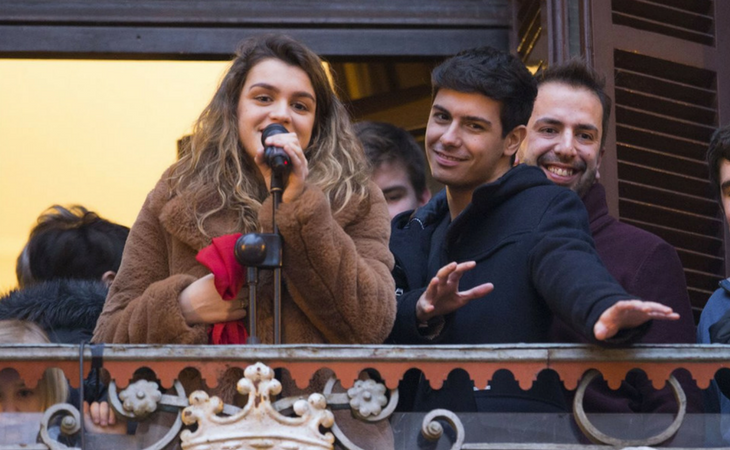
point(565, 146)
point(280, 112)
point(450, 136)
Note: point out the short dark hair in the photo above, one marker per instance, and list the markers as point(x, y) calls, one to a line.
point(718, 150)
point(576, 73)
point(494, 74)
point(384, 142)
point(71, 242)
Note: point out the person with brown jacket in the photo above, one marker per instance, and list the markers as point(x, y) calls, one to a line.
point(334, 222)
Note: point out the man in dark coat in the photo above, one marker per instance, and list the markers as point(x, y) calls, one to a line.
point(510, 237)
point(566, 139)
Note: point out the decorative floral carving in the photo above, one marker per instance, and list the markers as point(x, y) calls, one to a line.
point(141, 398)
point(258, 425)
point(367, 397)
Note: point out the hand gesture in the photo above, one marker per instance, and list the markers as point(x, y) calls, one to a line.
point(630, 314)
point(442, 295)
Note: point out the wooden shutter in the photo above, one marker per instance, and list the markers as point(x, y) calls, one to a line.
point(669, 78)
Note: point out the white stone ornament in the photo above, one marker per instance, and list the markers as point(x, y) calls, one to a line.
point(141, 398)
point(258, 425)
point(367, 397)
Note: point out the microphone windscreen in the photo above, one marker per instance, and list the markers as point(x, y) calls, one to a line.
point(272, 129)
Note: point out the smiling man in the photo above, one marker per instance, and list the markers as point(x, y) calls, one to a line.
point(508, 237)
point(565, 138)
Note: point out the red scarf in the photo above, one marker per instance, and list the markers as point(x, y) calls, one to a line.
point(229, 278)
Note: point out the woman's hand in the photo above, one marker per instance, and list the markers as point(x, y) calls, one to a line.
point(201, 303)
point(289, 142)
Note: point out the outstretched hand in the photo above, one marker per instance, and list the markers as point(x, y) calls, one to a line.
point(442, 295)
point(630, 314)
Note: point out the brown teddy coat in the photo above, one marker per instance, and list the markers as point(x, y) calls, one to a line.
point(336, 271)
point(338, 286)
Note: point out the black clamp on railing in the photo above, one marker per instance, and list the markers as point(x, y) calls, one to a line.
point(94, 377)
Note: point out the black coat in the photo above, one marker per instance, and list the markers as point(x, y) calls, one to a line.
point(67, 309)
point(531, 239)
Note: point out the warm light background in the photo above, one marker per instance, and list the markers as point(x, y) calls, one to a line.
point(95, 133)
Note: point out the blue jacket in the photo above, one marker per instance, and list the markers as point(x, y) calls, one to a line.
point(716, 307)
point(531, 239)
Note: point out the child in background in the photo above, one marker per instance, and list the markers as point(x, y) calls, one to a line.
point(17, 397)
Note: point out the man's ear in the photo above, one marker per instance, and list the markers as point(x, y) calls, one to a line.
point(108, 277)
point(600, 157)
point(514, 139)
point(598, 162)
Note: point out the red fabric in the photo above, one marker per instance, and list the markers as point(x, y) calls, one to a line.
point(229, 278)
point(227, 333)
point(220, 259)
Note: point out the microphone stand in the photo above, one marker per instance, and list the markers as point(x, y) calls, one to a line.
point(264, 251)
point(277, 188)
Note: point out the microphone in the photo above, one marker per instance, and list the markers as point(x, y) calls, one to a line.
point(275, 157)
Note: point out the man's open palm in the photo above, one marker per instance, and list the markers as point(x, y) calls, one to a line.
point(442, 295)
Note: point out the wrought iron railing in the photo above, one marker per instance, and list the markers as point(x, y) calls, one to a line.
point(267, 421)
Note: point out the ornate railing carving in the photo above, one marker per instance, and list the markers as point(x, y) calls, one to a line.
point(258, 425)
point(369, 400)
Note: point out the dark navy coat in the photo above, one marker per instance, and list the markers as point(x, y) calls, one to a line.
point(531, 239)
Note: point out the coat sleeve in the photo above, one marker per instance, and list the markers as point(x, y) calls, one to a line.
point(142, 305)
point(567, 271)
point(337, 266)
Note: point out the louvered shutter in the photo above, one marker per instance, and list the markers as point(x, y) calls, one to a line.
point(669, 79)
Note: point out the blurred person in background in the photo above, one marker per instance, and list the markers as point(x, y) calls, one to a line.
point(398, 165)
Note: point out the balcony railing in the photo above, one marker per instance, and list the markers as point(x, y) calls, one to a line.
point(267, 421)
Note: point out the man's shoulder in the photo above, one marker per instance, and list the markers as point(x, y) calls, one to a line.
point(721, 297)
point(606, 227)
point(638, 235)
point(716, 306)
point(525, 186)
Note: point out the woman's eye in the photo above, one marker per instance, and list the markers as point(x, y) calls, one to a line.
point(263, 98)
point(300, 107)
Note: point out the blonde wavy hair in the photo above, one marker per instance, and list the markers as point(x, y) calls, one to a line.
point(215, 164)
point(53, 387)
